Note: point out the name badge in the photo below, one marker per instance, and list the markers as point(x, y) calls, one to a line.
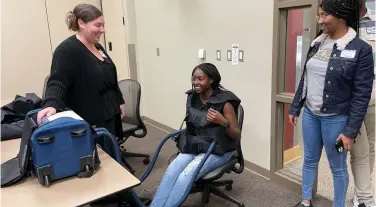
point(348, 53)
point(371, 30)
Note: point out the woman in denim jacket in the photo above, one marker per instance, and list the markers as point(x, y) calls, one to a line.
point(335, 89)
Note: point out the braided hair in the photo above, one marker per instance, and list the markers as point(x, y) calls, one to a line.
point(344, 9)
point(212, 72)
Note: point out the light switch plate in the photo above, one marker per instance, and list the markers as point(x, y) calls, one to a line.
point(241, 55)
point(218, 55)
point(229, 55)
point(158, 54)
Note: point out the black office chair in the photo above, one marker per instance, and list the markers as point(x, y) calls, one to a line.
point(209, 183)
point(45, 86)
point(132, 122)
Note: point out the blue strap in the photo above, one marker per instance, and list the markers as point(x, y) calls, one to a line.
point(102, 132)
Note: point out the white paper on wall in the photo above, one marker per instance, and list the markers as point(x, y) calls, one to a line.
point(235, 54)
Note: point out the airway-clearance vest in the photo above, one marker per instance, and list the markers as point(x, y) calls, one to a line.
point(200, 133)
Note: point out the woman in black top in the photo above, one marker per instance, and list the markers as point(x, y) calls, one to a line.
point(83, 76)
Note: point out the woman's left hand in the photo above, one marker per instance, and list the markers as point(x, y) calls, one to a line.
point(122, 111)
point(347, 142)
point(216, 117)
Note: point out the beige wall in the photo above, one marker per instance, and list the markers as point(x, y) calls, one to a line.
point(26, 50)
point(179, 28)
point(57, 11)
point(29, 34)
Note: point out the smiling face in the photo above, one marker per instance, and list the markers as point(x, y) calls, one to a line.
point(200, 81)
point(328, 23)
point(92, 30)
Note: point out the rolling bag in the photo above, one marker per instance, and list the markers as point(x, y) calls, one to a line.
point(63, 146)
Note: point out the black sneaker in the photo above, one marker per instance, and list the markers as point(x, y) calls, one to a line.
point(362, 205)
point(302, 205)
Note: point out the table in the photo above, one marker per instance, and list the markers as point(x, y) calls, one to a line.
point(110, 178)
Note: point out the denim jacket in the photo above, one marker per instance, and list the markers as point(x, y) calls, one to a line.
point(348, 82)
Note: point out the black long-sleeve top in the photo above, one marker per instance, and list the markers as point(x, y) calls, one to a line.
point(83, 83)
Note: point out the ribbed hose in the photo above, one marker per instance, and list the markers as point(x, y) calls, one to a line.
point(152, 163)
point(193, 179)
point(104, 132)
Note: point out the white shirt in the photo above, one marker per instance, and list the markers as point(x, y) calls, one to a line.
point(316, 73)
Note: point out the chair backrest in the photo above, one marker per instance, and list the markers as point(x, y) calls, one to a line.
point(45, 86)
point(240, 115)
point(131, 91)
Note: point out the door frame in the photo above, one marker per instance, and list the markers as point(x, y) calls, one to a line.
point(279, 97)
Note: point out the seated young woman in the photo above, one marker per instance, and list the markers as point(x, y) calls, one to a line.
point(211, 115)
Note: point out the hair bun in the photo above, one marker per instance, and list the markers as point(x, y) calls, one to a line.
point(71, 21)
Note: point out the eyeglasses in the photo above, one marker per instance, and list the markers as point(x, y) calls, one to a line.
point(321, 16)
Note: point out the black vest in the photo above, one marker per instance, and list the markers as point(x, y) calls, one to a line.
point(200, 133)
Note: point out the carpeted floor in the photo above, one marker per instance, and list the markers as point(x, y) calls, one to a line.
point(248, 187)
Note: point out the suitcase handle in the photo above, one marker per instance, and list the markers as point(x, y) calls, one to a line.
point(78, 133)
point(46, 140)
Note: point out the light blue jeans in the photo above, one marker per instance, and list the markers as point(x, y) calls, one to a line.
point(319, 131)
point(179, 174)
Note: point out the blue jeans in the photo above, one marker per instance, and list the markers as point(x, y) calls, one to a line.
point(319, 131)
point(179, 174)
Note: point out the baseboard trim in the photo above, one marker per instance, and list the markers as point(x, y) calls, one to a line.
point(158, 124)
point(257, 169)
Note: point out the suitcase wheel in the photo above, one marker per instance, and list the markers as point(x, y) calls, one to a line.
point(47, 182)
point(87, 168)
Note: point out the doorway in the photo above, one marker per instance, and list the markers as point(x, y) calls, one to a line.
point(295, 27)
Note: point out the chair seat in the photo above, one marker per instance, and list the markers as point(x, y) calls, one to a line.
point(218, 173)
point(128, 127)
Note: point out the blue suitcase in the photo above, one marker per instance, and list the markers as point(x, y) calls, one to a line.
point(63, 148)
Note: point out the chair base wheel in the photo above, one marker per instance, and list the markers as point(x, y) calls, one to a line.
point(146, 161)
point(228, 187)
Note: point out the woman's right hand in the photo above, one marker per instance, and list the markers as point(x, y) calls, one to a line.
point(45, 112)
point(293, 120)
